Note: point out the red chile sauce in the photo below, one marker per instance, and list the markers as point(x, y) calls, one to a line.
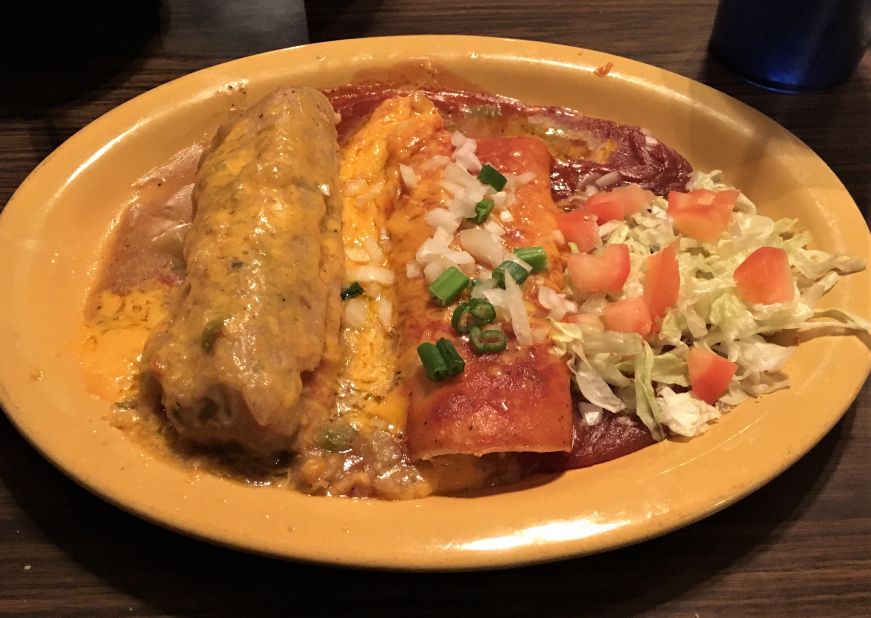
point(582, 149)
point(571, 137)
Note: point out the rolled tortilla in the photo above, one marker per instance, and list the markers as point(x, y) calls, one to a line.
point(249, 351)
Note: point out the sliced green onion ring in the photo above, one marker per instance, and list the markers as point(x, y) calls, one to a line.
point(355, 289)
point(448, 286)
point(482, 211)
point(483, 312)
point(534, 256)
point(489, 175)
point(517, 272)
point(452, 358)
point(487, 341)
point(433, 362)
point(476, 312)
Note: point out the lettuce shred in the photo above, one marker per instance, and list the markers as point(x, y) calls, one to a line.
point(621, 372)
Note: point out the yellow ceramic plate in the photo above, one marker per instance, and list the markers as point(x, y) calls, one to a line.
point(52, 231)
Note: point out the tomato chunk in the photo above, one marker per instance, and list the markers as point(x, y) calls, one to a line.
point(764, 277)
point(629, 315)
point(580, 228)
point(634, 198)
point(605, 206)
point(617, 203)
point(702, 214)
point(596, 274)
point(662, 282)
point(709, 374)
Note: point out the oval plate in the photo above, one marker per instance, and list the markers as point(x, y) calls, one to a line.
point(53, 229)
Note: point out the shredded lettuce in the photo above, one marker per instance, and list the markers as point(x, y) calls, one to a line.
point(621, 371)
point(684, 414)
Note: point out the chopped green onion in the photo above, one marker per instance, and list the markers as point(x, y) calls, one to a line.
point(211, 331)
point(573, 247)
point(534, 256)
point(355, 289)
point(477, 311)
point(448, 286)
point(487, 341)
point(336, 437)
point(433, 361)
point(457, 318)
point(452, 358)
point(482, 211)
point(516, 270)
point(483, 312)
point(489, 175)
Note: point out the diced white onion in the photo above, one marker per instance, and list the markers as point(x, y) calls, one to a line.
point(373, 249)
point(378, 274)
point(409, 177)
point(608, 179)
point(435, 268)
point(412, 270)
point(650, 142)
point(373, 192)
point(525, 177)
point(555, 302)
point(559, 238)
point(483, 245)
point(355, 313)
point(357, 186)
point(357, 254)
point(496, 297)
point(588, 178)
point(436, 161)
point(506, 217)
point(385, 313)
point(517, 311)
point(430, 250)
point(442, 218)
point(457, 139)
point(443, 237)
point(591, 190)
point(591, 413)
point(457, 175)
point(494, 228)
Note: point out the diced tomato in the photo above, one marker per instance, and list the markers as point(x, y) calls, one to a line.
point(702, 214)
point(580, 228)
point(634, 198)
point(617, 203)
point(662, 282)
point(585, 318)
point(629, 315)
point(764, 277)
point(709, 374)
point(595, 274)
point(605, 206)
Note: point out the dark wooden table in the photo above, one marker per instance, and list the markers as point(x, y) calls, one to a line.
point(799, 546)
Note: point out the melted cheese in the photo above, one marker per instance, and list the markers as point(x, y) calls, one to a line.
point(116, 328)
point(368, 390)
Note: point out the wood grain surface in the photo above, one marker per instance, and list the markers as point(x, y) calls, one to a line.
point(800, 546)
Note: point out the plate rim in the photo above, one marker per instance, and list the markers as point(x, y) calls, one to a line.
point(452, 561)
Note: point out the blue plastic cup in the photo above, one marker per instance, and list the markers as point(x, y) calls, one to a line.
point(792, 45)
